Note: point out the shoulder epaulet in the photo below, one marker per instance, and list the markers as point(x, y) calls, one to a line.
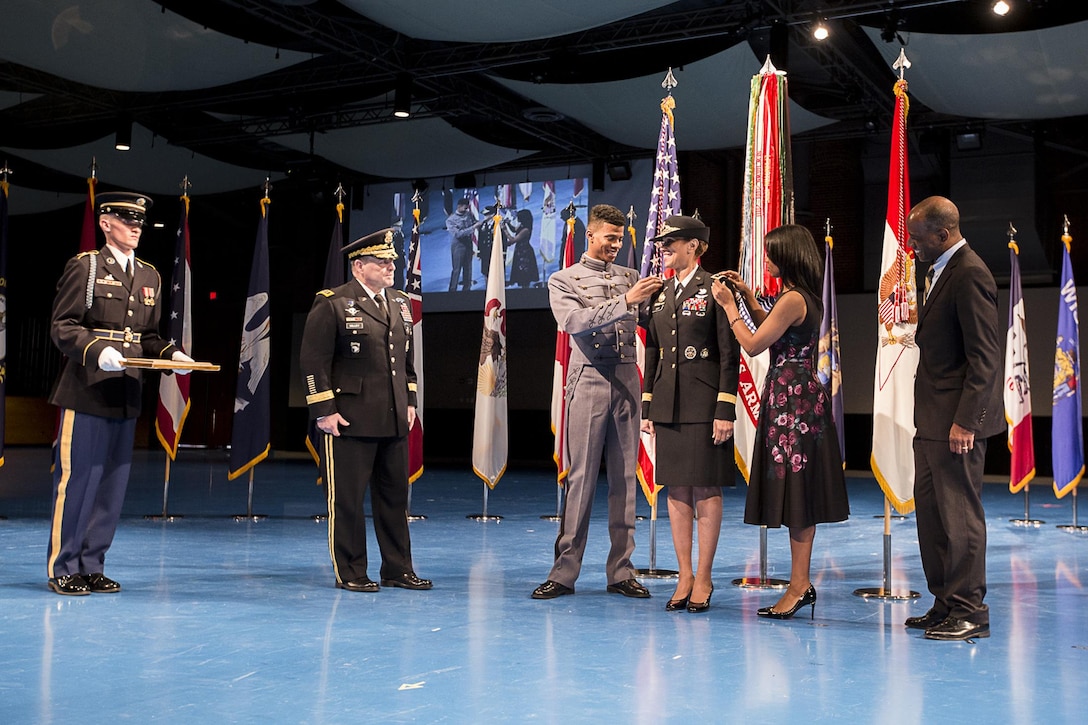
point(147, 264)
point(326, 293)
point(81, 255)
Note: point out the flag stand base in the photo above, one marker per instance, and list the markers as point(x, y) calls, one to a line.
point(484, 517)
point(249, 517)
point(558, 515)
point(166, 518)
point(653, 572)
point(408, 509)
point(889, 595)
point(1073, 528)
point(893, 517)
point(1027, 523)
point(319, 518)
point(762, 581)
point(885, 592)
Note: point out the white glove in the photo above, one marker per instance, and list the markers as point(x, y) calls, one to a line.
point(110, 360)
point(179, 356)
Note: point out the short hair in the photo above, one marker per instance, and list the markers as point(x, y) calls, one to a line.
point(937, 212)
point(606, 214)
point(793, 250)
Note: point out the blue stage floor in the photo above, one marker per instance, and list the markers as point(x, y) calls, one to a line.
point(239, 622)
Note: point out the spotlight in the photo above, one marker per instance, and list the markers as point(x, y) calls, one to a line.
point(1001, 8)
point(402, 96)
point(123, 140)
point(820, 31)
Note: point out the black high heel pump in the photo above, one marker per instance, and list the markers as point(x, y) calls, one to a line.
point(808, 598)
point(696, 607)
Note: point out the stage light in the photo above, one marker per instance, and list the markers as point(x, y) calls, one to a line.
point(820, 31)
point(402, 96)
point(1001, 8)
point(123, 140)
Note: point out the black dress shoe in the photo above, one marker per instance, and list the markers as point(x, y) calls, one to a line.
point(697, 607)
point(362, 584)
point(72, 585)
point(408, 580)
point(551, 590)
point(99, 583)
point(956, 629)
point(629, 588)
point(928, 620)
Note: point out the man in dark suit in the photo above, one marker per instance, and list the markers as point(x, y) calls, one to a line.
point(957, 405)
point(106, 310)
point(357, 366)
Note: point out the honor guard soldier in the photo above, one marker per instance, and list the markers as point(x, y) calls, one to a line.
point(357, 366)
point(106, 310)
point(600, 304)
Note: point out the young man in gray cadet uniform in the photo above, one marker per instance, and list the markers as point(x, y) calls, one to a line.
point(106, 310)
point(357, 366)
point(600, 304)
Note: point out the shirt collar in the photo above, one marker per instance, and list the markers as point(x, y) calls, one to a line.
point(595, 264)
point(940, 262)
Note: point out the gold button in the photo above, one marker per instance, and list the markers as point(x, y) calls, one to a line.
point(392, 359)
point(109, 294)
point(674, 349)
point(125, 344)
point(394, 373)
point(130, 313)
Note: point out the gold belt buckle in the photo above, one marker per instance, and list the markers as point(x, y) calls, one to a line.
point(128, 335)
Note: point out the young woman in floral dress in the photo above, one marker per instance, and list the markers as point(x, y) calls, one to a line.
point(796, 475)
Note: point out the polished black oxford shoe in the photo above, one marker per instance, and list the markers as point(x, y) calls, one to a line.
point(927, 621)
point(99, 583)
point(362, 584)
point(955, 629)
point(408, 580)
point(629, 588)
point(72, 585)
point(551, 590)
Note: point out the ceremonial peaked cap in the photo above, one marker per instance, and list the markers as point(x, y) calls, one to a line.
point(124, 204)
point(684, 227)
point(377, 244)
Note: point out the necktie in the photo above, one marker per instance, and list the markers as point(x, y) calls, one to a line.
point(128, 269)
point(379, 300)
point(929, 283)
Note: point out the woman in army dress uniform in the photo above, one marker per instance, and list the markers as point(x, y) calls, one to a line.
point(689, 404)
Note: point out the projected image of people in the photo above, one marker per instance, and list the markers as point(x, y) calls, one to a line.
point(456, 248)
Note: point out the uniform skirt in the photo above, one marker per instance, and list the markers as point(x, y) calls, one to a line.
point(687, 456)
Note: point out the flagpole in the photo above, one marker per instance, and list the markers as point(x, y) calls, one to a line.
point(5, 171)
point(417, 196)
point(653, 572)
point(1071, 480)
point(1017, 391)
point(899, 163)
point(249, 515)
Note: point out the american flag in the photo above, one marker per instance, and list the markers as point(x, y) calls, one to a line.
point(665, 195)
point(414, 290)
point(174, 389)
point(664, 202)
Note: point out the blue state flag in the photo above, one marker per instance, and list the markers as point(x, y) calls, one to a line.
point(1068, 437)
point(828, 360)
point(251, 436)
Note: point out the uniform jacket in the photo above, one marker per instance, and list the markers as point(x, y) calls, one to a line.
point(587, 300)
point(95, 306)
point(358, 364)
point(690, 374)
point(959, 370)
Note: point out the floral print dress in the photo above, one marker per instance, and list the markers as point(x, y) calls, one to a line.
point(797, 477)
